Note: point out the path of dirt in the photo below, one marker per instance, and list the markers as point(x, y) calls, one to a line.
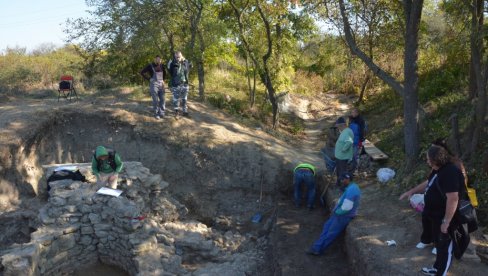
point(297, 228)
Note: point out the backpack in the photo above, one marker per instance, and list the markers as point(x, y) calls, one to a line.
point(111, 160)
point(65, 174)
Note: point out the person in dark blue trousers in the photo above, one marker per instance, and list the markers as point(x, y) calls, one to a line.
point(343, 213)
point(304, 173)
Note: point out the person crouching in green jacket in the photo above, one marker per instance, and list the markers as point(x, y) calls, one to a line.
point(106, 166)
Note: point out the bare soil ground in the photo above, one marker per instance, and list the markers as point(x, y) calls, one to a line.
point(216, 167)
point(219, 169)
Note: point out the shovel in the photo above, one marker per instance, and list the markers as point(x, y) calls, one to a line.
point(258, 215)
point(326, 187)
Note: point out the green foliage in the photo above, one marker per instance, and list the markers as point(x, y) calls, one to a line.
point(232, 105)
point(297, 127)
point(20, 71)
point(442, 81)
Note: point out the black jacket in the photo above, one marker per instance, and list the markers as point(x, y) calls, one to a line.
point(148, 69)
point(173, 67)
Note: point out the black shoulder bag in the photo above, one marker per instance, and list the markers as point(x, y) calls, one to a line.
point(465, 212)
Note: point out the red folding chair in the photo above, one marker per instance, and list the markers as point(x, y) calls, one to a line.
point(66, 88)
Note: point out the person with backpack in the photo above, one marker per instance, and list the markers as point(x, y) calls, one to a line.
point(343, 213)
point(179, 68)
point(358, 127)
point(156, 85)
point(304, 173)
point(106, 166)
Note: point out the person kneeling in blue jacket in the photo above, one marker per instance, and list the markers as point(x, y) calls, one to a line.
point(343, 213)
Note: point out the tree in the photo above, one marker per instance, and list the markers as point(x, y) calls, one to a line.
point(132, 32)
point(408, 90)
point(205, 31)
point(479, 66)
point(268, 32)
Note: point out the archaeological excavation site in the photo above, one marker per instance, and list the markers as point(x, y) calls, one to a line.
point(190, 191)
point(203, 195)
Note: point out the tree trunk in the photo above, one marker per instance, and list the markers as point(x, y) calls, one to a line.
point(201, 67)
point(201, 80)
point(272, 98)
point(472, 81)
point(363, 89)
point(250, 88)
point(253, 87)
point(455, 133)
point(413, 12)
point(477, 49)
point(265, 74)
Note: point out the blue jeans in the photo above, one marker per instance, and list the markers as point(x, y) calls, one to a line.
point(180, 94)
point(306, 177)
point(156, 89)
point(333, 227)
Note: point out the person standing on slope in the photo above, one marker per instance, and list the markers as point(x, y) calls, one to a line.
point(156, 85)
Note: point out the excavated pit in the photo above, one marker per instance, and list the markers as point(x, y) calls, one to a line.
point(219, 187)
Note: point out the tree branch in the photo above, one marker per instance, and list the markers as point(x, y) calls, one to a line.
point(383, 75)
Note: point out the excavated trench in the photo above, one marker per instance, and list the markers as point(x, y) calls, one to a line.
point(220, 185)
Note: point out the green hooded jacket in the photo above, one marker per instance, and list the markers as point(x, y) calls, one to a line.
point(105, 164)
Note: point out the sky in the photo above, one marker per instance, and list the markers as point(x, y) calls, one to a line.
point(30, 23)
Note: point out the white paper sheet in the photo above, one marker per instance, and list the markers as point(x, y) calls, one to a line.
point(110, 192)
point(66, 168)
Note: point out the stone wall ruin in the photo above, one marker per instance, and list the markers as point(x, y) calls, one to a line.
point(143, 231)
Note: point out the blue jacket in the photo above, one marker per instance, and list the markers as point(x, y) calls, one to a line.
point(358, 127)
point(349, 201)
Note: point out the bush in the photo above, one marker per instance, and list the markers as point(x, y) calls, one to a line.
point(232, 105)
point(308, 83)
point(20, 71)
point(441, 81)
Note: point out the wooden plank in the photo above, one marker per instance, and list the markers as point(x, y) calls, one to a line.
point(373, 151)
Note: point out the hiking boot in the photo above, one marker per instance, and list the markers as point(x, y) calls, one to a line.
point(310, 207)
point(429, 271)
point(157, 117)
point(186, 114)
point(312, 252)
point(422, 245)
point(176, 112)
